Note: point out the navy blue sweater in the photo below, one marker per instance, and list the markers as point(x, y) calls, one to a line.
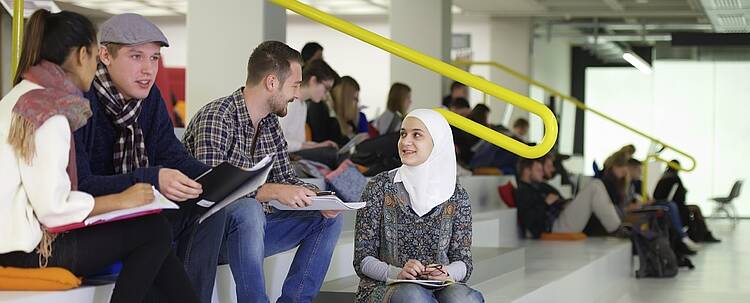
point(96, 140)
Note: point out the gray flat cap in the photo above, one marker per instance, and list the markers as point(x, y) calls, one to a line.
point(130, 29)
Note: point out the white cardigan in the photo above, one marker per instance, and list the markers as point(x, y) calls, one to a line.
point(30, 194)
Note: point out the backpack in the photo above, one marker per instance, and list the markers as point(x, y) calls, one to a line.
point(378, 154)
point(650, 236)
point(697, 230)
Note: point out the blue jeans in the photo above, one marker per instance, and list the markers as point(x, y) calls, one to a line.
point(198, 245)
point(252, 235)
point(456, 293)
point(674, 216)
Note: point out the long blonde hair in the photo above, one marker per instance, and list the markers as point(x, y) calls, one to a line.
point(345, 104)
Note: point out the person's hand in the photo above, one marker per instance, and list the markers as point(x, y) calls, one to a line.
point(328, 143)
point(330, 214)
point(411, 270)
point(176, 186)
point(294, 196)
point(136, 195)
point(632, 206)
point(435, 272)
point(551, 198)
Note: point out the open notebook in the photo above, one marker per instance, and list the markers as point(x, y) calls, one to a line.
point(328, 202)
point(425, 283)
point(159, 203)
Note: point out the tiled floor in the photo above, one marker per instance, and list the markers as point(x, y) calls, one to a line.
point(722, 273)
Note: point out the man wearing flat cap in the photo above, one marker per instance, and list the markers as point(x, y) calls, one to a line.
point(130, 139)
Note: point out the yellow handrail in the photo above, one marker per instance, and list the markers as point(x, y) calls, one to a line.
point(15, 49)
point(583, 106)
point(450, 71)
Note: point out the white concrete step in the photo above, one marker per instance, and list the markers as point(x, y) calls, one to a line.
point(83, 294)
point(581, 271)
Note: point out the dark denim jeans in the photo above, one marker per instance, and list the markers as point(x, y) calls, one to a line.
point(252, 235)
point(198, 245)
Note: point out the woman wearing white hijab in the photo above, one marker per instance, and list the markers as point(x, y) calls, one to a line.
point(417, 222)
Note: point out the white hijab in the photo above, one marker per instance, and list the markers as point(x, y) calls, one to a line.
point(432, 182)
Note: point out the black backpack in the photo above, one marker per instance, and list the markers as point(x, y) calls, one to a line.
point(378, 154)
point(650, 235)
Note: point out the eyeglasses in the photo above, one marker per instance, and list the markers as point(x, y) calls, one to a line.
point(438, 267)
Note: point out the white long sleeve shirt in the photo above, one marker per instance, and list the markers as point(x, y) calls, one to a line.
point(40, 192)
point(293, 125)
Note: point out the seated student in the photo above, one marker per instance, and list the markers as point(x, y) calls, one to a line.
point(671, 188)
point(480, 114)
point(417, 222)
point(130, 139)
point(338, 122)
point(465, 142)
point(627, 151)
point(242, 129)
point(553, 167)
point(317, 79)
point(542, 208)
point(634, 199)
point(345, 96)
point(37, 117)
point(399, 101)
point(460, 106)
point(489, 155)
point(311, 51)
point(520, 129)
point(458, 90)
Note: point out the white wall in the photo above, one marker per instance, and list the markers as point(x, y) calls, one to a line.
point(176, 54)
point(479, 29)
point(220, 38)
point(699, 107)
point(550, 64)
point(430, 35)
point(367, 64)
point(510, 44)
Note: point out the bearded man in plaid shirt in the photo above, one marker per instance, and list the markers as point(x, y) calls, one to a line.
point(242, 128)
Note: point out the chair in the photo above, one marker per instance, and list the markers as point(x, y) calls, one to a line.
point(724, 204)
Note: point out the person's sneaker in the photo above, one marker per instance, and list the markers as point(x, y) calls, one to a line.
point(690, 244)
point(709, 238)
point(682, 249)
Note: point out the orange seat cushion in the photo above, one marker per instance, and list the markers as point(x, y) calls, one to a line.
point(487, 171)
point(51, 278)
point(563, 236)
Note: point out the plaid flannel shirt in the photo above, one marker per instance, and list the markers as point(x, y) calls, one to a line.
point(222, 131)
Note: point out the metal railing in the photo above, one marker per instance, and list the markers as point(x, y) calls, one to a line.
point(583, 106)
point(17, 36)
point(450, 71)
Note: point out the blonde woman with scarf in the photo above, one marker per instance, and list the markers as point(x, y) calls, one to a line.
point(37, 155)
point(417, 222)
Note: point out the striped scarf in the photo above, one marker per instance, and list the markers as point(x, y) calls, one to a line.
point(129, 149)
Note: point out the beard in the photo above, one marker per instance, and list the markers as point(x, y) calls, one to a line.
point(279, 105)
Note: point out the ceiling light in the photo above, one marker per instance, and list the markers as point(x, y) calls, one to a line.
point(637, 62)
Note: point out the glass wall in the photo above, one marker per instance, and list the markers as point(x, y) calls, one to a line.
point(699, 107)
